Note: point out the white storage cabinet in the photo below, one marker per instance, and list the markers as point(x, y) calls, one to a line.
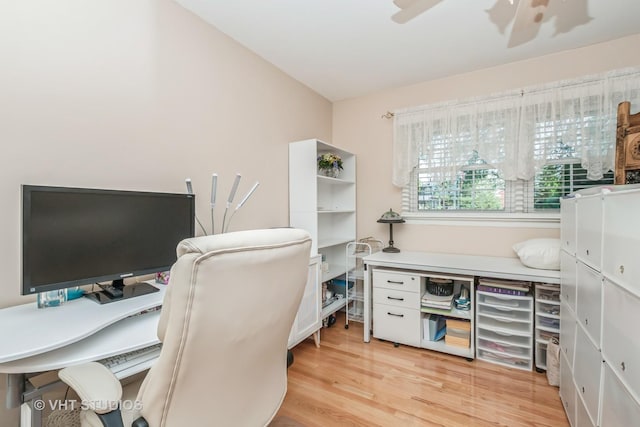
point(547, 323)
point(600, 368)
point(505, 329)
point(399, 316)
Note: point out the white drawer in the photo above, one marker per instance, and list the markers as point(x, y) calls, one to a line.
point(547, 308)
point(504, 347)
point(619, 408)
point(503, 325)
point(505, 359)
point(504, 337)
point(567, 390)
point(567, 334)
point(505, 313)
point(589, 300)
point(397, 324)
point(548, 321)
point(620, 343)
point(396, 280)
point(396, 298)
point(587, 367)
point(504, 301)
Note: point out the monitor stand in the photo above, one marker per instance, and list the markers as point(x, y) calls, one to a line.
point(117, 291)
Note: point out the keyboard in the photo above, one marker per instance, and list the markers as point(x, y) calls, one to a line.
point(127, 364)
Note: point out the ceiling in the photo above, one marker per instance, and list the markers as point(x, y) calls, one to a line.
point(349, 48)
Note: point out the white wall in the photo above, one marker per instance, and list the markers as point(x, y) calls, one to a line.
point(358, 127)
point(139, 95)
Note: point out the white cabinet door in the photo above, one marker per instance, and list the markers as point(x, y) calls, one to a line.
point(582, 416)
point(567, 334)
point(568, 274)
point(621, 239)
point(620, 343)
point(589, 301)
point(568, 225)
point(308, 319)
point(587, 368)
point(567, 390)
point(619, 408)
point(589, 230)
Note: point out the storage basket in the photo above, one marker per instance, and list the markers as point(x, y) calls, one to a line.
point(64, 418)
point(440, 287)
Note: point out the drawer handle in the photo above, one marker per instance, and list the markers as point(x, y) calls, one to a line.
point(394, 314)
point(395, 282)
point(582, 390)
point(586, 321)
point(622, 366)
point(396, 299)
point(622, 269)
point(587, 251)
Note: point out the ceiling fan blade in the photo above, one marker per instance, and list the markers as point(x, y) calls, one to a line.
point(502, 14)
point(529, 16)
point(403, 4)
point(529, 12)
point(570, 15)
point(412, 10)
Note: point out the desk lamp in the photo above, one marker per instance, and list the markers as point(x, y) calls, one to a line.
point(390, 217)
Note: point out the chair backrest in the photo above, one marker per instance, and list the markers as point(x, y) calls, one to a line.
point(225, 321)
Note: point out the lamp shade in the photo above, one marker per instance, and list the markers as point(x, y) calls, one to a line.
point(391, 217)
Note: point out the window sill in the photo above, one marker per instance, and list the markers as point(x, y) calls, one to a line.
point(485, 219)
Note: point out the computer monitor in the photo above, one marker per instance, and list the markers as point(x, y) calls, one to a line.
point(79, 236)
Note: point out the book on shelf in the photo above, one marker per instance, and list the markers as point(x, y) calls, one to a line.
point(437, 301)
point(506, 284)
point(504, 291)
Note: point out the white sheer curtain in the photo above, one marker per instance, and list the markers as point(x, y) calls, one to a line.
point(516, 132)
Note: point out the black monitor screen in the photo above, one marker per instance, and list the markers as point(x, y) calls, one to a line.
point(76, 236)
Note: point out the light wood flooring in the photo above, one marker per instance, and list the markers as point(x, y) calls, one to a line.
point(347, 382)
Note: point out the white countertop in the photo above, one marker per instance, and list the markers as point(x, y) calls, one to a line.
point(470, 265)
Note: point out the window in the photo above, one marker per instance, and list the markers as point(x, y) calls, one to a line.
point(557, 180)
point(511, 154)
point(478, 189)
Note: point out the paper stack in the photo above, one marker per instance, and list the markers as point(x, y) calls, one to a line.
point(436, 301)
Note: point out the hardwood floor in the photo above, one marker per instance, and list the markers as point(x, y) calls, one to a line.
point(347, 382)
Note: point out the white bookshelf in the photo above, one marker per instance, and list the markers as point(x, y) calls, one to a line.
point(324, 206)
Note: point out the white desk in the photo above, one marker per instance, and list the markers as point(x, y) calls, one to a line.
point(468, 265)
point(38, 340)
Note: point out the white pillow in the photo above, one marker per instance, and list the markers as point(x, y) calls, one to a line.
point(539, 253)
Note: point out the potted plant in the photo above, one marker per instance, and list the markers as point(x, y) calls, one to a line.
point(329, 164)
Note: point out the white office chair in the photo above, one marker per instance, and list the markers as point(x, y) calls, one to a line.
point(225, 322)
